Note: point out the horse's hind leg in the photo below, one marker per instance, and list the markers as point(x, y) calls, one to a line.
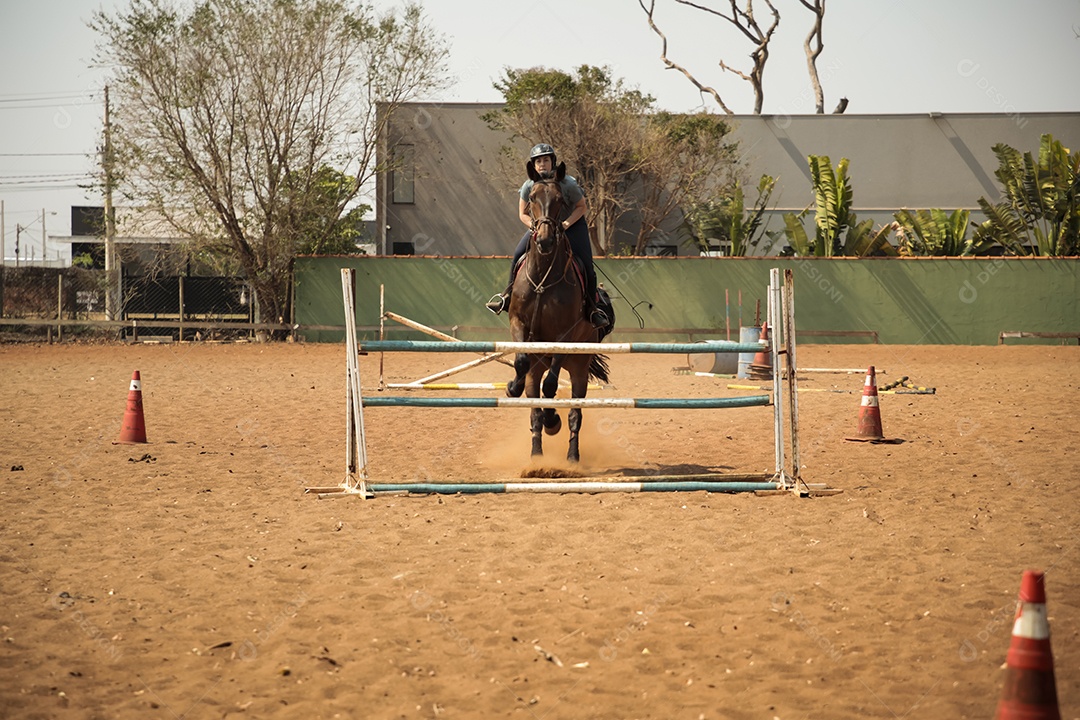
point(552, 421)
point(579, 386)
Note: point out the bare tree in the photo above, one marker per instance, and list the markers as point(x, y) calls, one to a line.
point(813, 45)
point(744, 21)
point(671, 65)
point(227, 117)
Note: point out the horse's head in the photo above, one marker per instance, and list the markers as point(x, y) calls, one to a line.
point(546, 206)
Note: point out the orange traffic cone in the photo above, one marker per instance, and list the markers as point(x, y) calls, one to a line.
point(869, 429)
point(133, 430)
point(761, 367)
point(1030, 692)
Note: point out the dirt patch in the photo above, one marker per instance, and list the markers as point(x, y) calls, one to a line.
point(192, 577)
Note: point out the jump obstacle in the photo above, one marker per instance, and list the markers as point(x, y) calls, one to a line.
point(781, 344)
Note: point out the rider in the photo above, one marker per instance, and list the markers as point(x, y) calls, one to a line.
point(542, 160)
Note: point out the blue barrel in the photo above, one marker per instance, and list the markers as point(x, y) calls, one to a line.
point(747, 335)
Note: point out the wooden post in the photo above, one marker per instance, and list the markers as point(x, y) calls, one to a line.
point(180, 278)
point(789, 345)
point(382, 332)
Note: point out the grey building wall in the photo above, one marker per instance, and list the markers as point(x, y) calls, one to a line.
point(461, 203)
point(464, 203)
point(896, 161)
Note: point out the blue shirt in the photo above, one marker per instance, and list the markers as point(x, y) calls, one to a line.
point(571, 191)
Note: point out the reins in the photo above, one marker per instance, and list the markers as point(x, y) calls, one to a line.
point(560, 239)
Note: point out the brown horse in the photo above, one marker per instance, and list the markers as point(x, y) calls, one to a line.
point(547, 305)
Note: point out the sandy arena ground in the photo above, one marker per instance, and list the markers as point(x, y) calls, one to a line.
point(192, 578)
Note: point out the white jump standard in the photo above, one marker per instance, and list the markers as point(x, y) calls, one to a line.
point(782, 320)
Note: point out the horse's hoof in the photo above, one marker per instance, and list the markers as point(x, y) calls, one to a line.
point(555, 427)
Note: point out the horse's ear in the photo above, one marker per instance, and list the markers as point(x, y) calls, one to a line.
point(560, 172)
point(530, 169)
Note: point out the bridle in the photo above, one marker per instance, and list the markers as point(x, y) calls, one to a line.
point(560, 239)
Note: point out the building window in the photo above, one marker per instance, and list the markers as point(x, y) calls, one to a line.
point(661, 250)
point(403, 175)
point(404, 248)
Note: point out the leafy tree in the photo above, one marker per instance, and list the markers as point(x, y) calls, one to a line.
point(316, 218)
point(1040, 213)
point(594, 123)
point(626, 157)
point(227, 114)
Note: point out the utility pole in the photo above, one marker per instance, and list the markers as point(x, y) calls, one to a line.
point(18, 231)
point(112, 284)
point(44, 255)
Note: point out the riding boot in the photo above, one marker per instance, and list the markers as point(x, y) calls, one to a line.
point(597, 317)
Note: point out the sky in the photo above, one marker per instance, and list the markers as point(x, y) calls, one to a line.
point(885, 56)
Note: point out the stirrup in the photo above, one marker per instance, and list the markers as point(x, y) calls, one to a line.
point(497, 303)
point(599, 318)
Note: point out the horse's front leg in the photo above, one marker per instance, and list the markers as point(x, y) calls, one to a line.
point(536, 422)
point(552, 421)
point(522, 363)
point(536, 417)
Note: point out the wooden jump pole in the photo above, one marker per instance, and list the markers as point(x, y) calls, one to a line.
point(547, 348)
point(565, 403)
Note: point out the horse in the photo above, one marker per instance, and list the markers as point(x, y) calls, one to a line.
point(547, 304)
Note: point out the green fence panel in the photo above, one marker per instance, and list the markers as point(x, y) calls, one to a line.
point(955, 301)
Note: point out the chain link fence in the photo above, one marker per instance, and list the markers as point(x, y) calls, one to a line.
point(195, 306)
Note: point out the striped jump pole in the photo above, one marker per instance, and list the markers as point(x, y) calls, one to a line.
point(461, 386)
point(604, 486)
point(482, 346)
point(781, 317)
point(560, 403)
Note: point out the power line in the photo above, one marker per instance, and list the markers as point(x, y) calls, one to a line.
point(70, 154)
point(42, 176)
point(46, 98)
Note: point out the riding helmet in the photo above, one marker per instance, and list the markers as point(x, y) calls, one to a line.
point(540, 150)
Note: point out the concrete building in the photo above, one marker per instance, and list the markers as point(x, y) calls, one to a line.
point(454, 194)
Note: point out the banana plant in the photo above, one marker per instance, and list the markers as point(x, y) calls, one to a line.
point(862, 240)
point(728, 218)
point(1040, 212)
point(743, 226)
point(832, 211)
point(934, 232)
point(832, 197)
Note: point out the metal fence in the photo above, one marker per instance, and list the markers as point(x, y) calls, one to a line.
point(36, 301)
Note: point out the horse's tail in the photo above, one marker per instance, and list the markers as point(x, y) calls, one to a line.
point(598, 368)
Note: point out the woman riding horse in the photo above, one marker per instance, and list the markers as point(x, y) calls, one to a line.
point(546, 307)
point(542, 163)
